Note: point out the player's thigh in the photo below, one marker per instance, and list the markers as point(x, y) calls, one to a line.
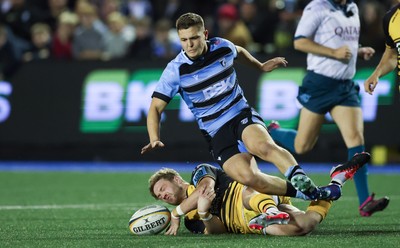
point(350, 123)
point(308, 130)
point(241, 167)
point(255, 137)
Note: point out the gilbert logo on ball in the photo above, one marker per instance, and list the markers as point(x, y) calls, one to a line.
point(149, 220)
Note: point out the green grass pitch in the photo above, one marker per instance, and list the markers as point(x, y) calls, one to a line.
point(89, 209)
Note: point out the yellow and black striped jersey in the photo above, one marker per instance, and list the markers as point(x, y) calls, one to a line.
point(391, 27)
point(227, 205)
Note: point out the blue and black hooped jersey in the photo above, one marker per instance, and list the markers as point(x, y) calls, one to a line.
point(208, 85)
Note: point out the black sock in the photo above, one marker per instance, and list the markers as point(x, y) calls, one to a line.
point(290, 190)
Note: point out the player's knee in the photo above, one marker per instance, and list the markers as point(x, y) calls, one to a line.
point(248, 178)
point(303, 148)
point(265, 149)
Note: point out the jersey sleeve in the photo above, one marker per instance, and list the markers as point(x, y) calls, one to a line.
point(388, 40)
point(201, 171)
point(309, 22)
point(168, 84)
point(232, 47)
point(221, 42)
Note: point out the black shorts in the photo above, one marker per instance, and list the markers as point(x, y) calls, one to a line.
point(228, 140)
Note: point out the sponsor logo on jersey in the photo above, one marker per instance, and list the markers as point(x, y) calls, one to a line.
point(348, 33)
point(199, 174)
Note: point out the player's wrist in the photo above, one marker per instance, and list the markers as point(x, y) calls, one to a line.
point(205, 216)
point(177, 212)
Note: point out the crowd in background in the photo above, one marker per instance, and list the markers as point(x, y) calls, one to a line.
point(144, 29)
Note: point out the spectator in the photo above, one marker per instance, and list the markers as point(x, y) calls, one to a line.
point(8, 57)
point(289, 12)
point(141, 46)
point(231, 27)
point(62, 39)
point(55, 8)
point(116, 42)
point(41, 43)
point(137, 10)
point(164, 46)
point(20, 18)
point(88, 41)
point(262, 21)
point(371, 34)
point(172, 9)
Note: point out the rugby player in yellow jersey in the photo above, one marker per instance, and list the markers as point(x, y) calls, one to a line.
point(391, 56)
point(224, 205)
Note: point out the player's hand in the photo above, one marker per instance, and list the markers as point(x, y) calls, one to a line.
point(152, 146)
point(370, 84)
point(207, 195)
point(343, 54)
point(173, 227)
point(366, 53)
point(274, 63)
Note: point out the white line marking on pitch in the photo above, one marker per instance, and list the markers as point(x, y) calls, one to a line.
point(129, 206)
point(73, 206)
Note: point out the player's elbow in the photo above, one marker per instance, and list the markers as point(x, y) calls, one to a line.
point(305, 228)
point(299, 44)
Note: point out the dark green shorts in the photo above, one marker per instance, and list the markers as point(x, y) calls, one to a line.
point(320, 94)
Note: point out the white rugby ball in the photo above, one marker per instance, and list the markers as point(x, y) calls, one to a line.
point(151, 219)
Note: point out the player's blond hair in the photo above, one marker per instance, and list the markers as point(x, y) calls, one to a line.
point(164, 173)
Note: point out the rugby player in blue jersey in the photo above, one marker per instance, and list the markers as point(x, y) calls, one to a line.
point(328, 32)
point(204, 76)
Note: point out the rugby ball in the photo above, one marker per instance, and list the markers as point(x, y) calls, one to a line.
point(148, 220)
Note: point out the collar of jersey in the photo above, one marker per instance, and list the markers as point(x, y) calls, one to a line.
point(199, 58)
point(338, 6)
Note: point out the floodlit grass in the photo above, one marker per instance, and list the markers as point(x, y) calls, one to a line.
point(73, 209)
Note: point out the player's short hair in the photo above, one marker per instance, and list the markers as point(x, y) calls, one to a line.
point(164, 173)
point(188, 20)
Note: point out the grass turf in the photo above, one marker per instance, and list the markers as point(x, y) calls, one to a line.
point(78, 209)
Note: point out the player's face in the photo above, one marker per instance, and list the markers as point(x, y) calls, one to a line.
point(169, 192)
point(193, 41)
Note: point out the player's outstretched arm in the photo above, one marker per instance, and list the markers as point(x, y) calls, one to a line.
point(246, 58)
point(157, 106)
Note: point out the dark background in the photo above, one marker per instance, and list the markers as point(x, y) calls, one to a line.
point(46, 111)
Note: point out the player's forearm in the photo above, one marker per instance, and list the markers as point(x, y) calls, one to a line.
point(213, 225)
point(308, 46)
point(387, 64)
point(244, 57)
point(190, 203)
point(153, 126)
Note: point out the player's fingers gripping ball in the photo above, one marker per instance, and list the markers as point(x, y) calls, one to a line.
point(149, 220)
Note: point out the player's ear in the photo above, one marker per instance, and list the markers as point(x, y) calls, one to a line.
point(206, 33)
point(178, 180)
